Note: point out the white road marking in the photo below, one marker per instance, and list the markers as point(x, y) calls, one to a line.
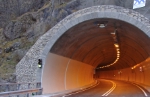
point(82, 90)
point(141, 89)
point(110, 90)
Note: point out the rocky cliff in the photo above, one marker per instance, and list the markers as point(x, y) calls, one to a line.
point(22, 22)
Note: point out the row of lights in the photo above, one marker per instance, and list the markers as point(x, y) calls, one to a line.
point(135, 66)
point(114, 35)
point(118, 56)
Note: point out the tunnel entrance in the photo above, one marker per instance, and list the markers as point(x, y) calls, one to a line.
point(86, 47)
point(77, 45)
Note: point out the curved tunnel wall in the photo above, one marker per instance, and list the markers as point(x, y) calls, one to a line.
point(61, 73)
point(139, 73)
point(27, 69)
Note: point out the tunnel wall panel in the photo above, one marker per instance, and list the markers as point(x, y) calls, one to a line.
point(54, 73)
point(78, 74)
point(62, 74)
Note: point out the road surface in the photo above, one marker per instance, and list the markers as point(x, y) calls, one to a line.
point(112, 88)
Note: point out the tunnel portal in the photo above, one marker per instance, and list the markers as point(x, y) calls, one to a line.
point(85, 41)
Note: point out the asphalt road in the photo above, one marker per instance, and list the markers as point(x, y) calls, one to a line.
point(112, 88)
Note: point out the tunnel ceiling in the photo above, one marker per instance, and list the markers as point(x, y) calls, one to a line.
point(88, 43)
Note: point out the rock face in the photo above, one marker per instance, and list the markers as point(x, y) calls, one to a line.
point(22, 22)
point(11, 9)
point(15, 29)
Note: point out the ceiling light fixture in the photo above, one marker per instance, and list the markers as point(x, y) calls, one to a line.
point(116, 45)
point(102, 25)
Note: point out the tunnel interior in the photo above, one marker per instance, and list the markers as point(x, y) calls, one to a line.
point(89, 43)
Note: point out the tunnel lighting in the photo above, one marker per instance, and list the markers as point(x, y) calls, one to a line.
point(119, 72)
point(135, 66)
point(116, 45)
point(141, 69)
point(117, 49)
point(102, 25)
point(113, 33)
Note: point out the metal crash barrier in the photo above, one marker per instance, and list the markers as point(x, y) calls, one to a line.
point(16, 89)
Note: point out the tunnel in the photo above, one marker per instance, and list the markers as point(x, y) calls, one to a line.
point(107, 42)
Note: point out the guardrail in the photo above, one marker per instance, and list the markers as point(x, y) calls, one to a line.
point(19, 93)
point(4, 87)
point(7, 89)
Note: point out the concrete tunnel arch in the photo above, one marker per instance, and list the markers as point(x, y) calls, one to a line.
point(27, 70)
